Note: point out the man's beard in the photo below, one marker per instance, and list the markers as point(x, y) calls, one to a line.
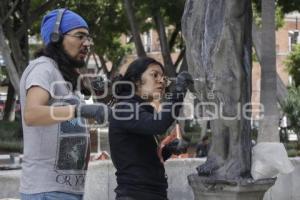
point(72, 62)
point(70, 74)
point(67, 66)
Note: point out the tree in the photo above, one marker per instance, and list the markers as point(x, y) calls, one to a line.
point(287, 6)
point(107, 22)
point(291, 107)
point(106, 18)
point(155, 8)
point(291, 104)
point(269, 123)
point(162, 14)
point(259, 35)
point(293, 64)
point(134, 28)
point(17, 17)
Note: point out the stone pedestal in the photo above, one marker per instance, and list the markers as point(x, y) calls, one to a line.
point(205, 188)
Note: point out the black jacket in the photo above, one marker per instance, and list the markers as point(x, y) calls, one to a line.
point(140, 174)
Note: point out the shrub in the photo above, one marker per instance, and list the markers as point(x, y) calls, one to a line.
point(292, 153)
point(291, 145)
point(10, 136)
point(293, 64)
point(291, 107)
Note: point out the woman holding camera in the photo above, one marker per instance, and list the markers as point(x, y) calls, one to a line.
point(134, 126)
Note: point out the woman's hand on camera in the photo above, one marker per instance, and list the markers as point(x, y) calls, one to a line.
point(100, 112)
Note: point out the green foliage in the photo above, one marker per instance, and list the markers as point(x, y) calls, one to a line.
point(10, 130)
point(3, 74)
point(291, 145)
point(192, 132)
point(191, 128)
point(11, 136)
point(192, 137)
point(254, 56)
point(279, 14)
point(35, 27)
point(291, 107)
point(254, 134)
point(106, 20)
point(289, 6)
point(115, 51)
point(282, 7)
point(293, 64)
point(292, 148)
point(292, 153)
point(171, 11)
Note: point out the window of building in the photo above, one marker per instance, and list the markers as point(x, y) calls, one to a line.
point(293, 38)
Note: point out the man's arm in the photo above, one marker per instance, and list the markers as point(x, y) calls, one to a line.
point(37, 112)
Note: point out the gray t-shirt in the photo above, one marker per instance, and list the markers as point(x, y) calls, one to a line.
point(55, 156)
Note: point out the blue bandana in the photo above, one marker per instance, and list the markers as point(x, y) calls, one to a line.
point(70, 21)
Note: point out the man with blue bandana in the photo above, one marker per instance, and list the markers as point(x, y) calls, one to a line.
point(56, 138)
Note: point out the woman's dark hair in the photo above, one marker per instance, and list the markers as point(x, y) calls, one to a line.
point(65, 63)
point(134, 73)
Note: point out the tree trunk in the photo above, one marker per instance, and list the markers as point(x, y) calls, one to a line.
point(9, 104)
point(96, 61)
point(256, 39)
point(103, 64)
point(179, 59)
point(184, 65)
point(10, 65)
point(269, 122)
point(14, 27)
point(134, 29)
point(163, 40)
point(174, 36)
point(17, 52)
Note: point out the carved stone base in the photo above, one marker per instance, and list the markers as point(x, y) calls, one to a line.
point(205, 188)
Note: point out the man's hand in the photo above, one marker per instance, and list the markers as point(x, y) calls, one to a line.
point(100, 112)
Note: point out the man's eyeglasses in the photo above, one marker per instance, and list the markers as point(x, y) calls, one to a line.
point(81, 36)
